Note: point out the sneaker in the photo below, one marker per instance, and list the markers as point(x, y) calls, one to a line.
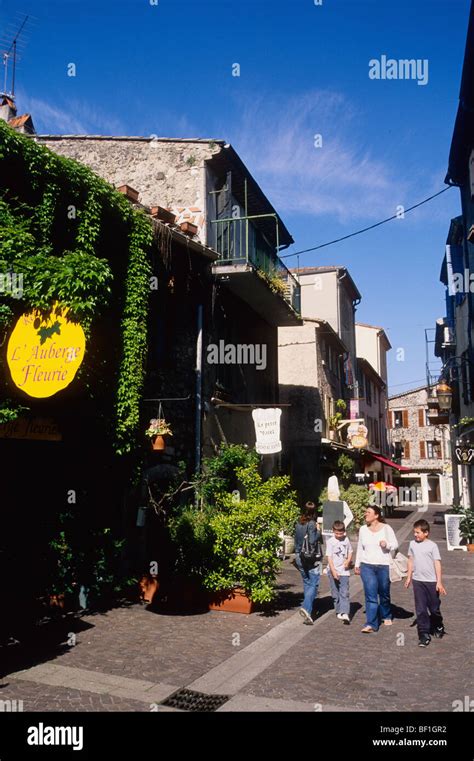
point(387, 622)
point(424, 640)
point(344, 617)
point(367, 630)
point(340, 616)
point(439, 632)
point(304, 613)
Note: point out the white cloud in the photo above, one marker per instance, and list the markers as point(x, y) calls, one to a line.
point(69, 118)
point(275, 138)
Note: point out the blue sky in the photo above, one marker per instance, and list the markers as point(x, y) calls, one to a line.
point(166, 69)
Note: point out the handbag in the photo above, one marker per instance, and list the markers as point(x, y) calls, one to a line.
point(398, 565)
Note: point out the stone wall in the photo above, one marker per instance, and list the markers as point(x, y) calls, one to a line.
point(166, 173)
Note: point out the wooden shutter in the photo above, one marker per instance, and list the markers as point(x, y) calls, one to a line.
point(406, 450)
point(389, 419)
point(405, 418)
point(422, 450)
point(421, 418)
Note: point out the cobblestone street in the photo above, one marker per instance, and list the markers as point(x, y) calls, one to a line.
point(131, 659)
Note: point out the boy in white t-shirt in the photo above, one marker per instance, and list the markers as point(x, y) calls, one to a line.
point(339, 555)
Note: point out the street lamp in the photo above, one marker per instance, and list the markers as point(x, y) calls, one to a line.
point(444, 395)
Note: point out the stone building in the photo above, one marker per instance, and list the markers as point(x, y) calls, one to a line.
point(419, 435)
point(202, 188)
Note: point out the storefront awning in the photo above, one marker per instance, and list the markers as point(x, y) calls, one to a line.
point(390, 463)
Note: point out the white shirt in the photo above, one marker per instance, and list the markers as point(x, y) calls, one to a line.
point(369, 549)
point(339, 550)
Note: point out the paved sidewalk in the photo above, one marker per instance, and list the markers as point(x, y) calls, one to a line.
point(131, 658)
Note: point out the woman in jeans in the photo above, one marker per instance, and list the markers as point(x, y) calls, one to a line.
point(376, 541)
point(311, 578)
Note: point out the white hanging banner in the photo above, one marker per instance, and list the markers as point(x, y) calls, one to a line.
point(267, 430)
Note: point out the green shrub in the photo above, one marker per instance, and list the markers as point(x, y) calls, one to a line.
point(233, 543)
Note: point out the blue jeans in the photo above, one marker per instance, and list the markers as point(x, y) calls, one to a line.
point(310, 585)
point(376, 581)
point(340, 593)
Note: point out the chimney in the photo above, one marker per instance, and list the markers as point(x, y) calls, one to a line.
point(7, 107)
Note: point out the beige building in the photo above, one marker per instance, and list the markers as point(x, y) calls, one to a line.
point(311, 376)
point(316, 368)
point(372, 347)
point(420, 439)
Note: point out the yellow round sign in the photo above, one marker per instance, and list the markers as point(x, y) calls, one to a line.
point(44, 354)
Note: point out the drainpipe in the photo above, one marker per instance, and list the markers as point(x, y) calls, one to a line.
point(197, 457)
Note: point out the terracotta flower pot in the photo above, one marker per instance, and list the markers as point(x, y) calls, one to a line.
point(158, 443)
point(148, 585)
point(231, 601)
point(470, 547)
point(56, 601)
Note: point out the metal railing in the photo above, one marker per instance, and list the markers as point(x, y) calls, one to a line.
point(238, 241)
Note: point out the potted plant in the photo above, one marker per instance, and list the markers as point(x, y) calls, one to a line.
point(62, 585)
point(335, 419)
point(466, 527)
point(157, 428)
point(245, 559)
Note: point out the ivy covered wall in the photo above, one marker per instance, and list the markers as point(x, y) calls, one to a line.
point(73, 239)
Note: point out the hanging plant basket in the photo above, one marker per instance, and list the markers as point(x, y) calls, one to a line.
point(157, 429)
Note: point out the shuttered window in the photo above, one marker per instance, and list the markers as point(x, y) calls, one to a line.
point(421, 418)
point(405, 418)
point(422, 450)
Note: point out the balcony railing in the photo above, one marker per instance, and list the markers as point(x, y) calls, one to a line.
point(238, 241)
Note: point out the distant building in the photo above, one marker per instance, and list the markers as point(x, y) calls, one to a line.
point(372, 347)
point(420, 438)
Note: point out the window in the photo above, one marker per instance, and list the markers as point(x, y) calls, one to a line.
point(398, 418)
point(433, 450)
point(368, 391)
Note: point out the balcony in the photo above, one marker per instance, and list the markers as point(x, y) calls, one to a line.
point(249, 266)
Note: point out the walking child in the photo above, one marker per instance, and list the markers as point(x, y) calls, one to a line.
point(424, 568)
point(339, 555)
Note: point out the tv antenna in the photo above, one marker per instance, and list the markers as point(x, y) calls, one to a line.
point(12, 53)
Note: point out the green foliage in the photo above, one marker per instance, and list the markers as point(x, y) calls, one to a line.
point(246, 536)
point(84, 555)
point(193, 537)
point(335, 419)
point(234, 543)
point(220, 472)
point(466, 525)
point(134, 335)
point(358, 499)
point(10, 411)
point(346, 468)
point(51, 235)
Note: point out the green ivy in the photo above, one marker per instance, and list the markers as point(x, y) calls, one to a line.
point(134, 333)
point(52, 234)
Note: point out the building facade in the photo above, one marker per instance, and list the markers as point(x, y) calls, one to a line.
point(420, 439)
point(457, 273)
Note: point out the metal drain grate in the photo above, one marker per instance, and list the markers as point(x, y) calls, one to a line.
point(188, 700)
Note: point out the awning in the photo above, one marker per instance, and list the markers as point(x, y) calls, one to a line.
point(390, 463)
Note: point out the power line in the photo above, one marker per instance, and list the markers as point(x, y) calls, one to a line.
point(365, 229)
